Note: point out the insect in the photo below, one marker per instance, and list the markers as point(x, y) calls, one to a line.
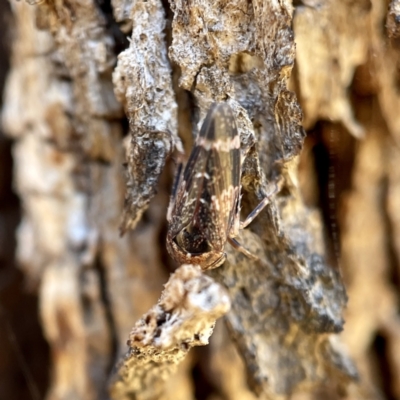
point(204, 211)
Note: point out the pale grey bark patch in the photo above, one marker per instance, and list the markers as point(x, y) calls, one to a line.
point(183, 318)
point(143, 84)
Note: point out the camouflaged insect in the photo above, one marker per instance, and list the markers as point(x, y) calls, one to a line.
point(204, 212)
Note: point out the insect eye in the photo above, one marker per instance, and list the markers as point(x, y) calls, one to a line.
point(191, 239)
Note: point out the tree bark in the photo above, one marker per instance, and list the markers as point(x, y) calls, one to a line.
point(103, 98)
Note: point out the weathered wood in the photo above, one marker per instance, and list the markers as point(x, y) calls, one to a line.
point(183, 318)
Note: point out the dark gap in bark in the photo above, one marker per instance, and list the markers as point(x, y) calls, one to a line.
point(245, 295)
point(6, 40)
point(121, 41)
point(204, 389)
point(98, 266)
point(322, 164)
point(24, 352)
point(9, 201)
point(169, 15)
point(125, 125)
point(333, 153)
point(188, 132)
point(302, 3)
point(382, 372)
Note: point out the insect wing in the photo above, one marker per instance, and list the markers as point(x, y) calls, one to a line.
point(208, 196)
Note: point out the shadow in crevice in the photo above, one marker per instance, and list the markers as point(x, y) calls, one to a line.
point(382, 373)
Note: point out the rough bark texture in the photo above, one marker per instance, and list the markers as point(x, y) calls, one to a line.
point(96, 120)
point(183, 318)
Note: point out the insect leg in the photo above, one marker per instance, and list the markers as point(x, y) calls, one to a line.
point(261, 205)
point(175, 186)
point(235, 244)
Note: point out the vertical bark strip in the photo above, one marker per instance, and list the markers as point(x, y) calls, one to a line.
point(288, 304)
point(62, 111)
point(143, 83)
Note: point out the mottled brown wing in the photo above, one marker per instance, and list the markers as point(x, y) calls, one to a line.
point(208, 193)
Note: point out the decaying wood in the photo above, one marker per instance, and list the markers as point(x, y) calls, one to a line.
point(71, 80)
point(184, 317)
